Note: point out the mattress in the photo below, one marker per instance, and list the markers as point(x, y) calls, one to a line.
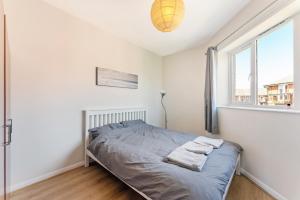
point(136, 155)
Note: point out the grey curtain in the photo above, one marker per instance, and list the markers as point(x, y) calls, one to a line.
point(211, 117)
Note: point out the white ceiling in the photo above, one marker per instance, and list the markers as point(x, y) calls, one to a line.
point(130, 20)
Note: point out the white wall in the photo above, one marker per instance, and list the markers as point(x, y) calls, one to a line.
point(271, 146)
point(270, 140)
point(297, 57)
point(184, 99)
point(53, 79)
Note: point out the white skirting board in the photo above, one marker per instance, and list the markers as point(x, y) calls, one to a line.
point(45, 176)
point(263, 186)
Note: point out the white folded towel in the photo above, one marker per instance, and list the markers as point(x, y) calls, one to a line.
point(201, 148)
point(180, 156)
point(216, 143)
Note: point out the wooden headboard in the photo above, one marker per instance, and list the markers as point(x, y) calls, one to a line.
point(97, 118)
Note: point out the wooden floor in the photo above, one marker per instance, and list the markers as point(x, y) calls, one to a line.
point(94, 183)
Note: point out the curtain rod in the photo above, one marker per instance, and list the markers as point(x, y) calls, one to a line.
point(246, 23)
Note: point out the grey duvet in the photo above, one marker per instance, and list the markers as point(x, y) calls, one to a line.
point(136, 154)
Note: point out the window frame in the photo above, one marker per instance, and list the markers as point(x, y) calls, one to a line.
point(252, 44)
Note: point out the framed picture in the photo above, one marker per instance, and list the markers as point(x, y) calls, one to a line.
point(113, 78)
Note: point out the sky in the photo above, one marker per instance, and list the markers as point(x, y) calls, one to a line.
point(275, 57)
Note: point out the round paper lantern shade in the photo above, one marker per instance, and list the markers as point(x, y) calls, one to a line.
point(167, 15)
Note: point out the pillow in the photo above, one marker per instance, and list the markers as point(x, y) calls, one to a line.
point(116, 125)
point(94, 132)
point(132, 123)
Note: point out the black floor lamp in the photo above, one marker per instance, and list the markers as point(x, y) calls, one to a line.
point(163, 93)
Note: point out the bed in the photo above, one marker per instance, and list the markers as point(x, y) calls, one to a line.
point(135, 154)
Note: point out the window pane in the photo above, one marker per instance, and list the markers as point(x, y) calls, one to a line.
point(275, 63)
point(242, 76)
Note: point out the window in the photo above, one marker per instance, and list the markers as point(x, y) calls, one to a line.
point(263, 69)
point(242, 76)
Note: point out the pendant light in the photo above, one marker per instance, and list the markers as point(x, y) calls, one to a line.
point(167, 15)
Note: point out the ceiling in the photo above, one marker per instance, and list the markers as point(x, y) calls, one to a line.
point(130, 20)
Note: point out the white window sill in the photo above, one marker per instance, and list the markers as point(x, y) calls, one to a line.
point(279, 110)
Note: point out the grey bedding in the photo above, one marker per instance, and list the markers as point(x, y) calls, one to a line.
point(135, 153)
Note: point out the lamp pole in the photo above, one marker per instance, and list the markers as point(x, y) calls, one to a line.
point(163, 93)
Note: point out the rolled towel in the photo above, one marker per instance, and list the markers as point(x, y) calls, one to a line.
point(200, 148)
point(216, 143)
point(181, 157)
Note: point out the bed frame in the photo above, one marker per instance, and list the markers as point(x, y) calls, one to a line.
point(96, 118)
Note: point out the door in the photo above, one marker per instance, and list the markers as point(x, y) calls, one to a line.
point(5, 122)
